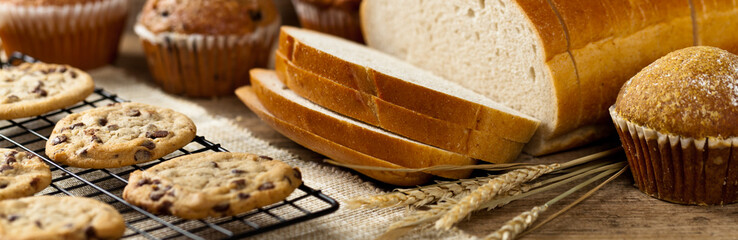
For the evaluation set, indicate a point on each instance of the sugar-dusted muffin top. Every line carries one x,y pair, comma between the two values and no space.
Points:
353,4
48,2
692,92
210,17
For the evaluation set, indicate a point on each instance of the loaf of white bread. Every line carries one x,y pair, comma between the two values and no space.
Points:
560,61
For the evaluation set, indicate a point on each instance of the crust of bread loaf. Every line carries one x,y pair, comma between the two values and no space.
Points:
519,128
612,40
396,119
717,24
356,135
330,149
579,137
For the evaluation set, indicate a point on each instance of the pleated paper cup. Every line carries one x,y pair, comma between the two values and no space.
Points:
199,65
334,20
82,35
680,169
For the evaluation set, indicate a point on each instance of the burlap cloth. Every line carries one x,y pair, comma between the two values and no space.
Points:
226,121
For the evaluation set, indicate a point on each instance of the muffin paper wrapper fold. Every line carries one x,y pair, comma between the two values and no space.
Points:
83,35
200,65
680,169
337,21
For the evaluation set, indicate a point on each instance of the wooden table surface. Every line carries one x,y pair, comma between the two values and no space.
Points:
618,211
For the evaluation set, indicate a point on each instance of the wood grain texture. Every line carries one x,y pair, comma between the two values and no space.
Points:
618,211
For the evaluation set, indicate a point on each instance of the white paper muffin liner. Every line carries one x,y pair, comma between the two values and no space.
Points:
332,20
200,65
82,35
680,169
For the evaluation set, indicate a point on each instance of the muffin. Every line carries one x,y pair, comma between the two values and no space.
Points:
336,17
81,33
677,122
205,48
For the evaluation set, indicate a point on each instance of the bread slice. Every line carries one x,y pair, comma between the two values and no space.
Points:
716,24
400,83
331,149
291,108
561,61
396,119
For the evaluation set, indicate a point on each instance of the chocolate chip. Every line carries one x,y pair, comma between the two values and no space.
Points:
266,157
165,13
11,99
73,73
237,171
76,125
243,196
34,182
4,185
266,186
5,167
157,134
222,207
38,89
59,139
144,181
90,131
102,121
12,153
51,70
298,174
96,139
10,159
63,69
255,15
156,195
12,218
142,155
164,207
113,127
133,113
149,144
82,152
156,181
38,224
90,232
215,165
240,183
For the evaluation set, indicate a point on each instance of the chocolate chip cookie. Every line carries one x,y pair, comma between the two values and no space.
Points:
211,185
50,217
21,174
118,135
31,89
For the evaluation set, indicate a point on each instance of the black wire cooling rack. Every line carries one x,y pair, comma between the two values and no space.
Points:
30,134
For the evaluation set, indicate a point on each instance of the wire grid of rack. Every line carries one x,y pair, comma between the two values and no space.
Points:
30,134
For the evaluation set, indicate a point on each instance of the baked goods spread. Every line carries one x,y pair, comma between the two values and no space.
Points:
118,135
329,148
293,109
335,17
205,48
51,217
560,61
676,119
21,174
212,184
81,33
31,89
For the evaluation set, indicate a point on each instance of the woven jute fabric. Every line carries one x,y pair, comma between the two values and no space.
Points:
225,121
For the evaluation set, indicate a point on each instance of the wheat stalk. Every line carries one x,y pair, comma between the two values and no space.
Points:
494,187
419,196
518,224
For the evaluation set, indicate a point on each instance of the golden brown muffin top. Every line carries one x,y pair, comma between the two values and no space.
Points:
351,4
210,17
48,2
692,92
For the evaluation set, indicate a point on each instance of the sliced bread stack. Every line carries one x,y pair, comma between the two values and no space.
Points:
381,108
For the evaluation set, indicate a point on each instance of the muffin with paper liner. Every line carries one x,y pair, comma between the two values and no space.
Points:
677,122
205,48
81,33
335,17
